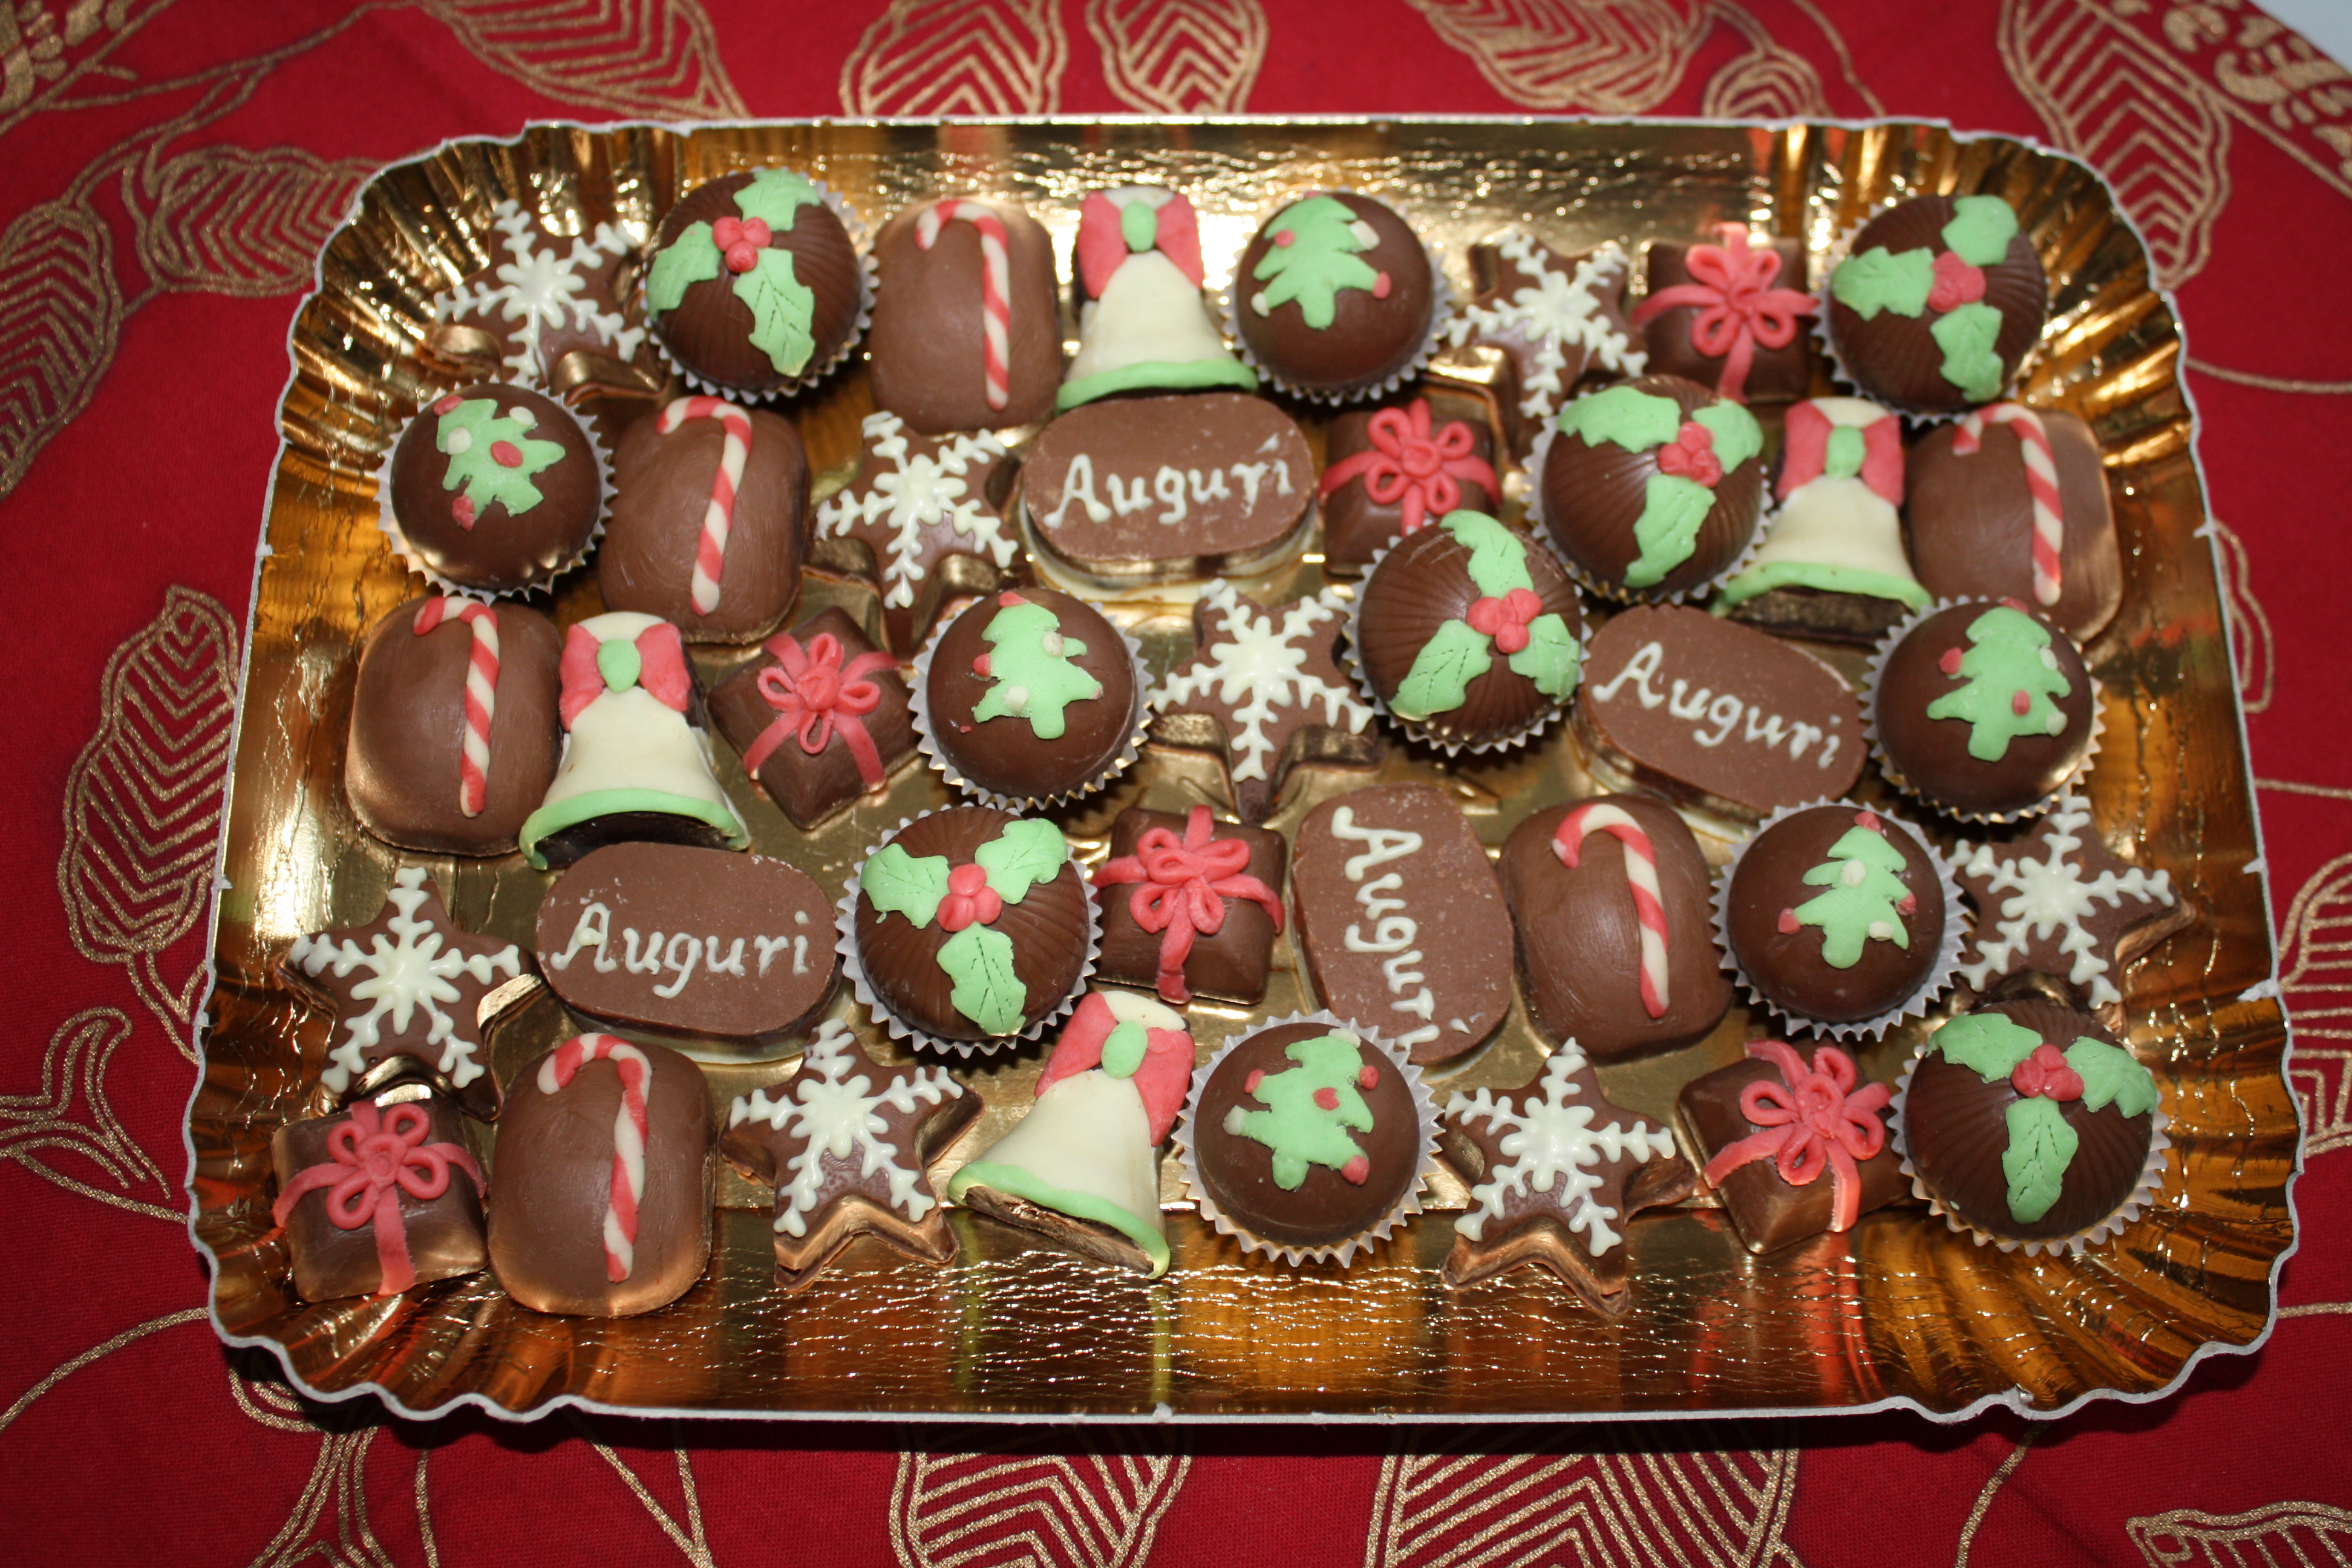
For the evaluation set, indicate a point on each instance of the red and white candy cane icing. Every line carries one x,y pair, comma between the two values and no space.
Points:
2041,483
996,289
1640,875
628,1189
481,693
718,517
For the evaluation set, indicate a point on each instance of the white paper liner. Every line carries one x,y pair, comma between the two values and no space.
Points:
853,968
868,279
1441,317
1939,976
919,704
1919,419
390,524
1354,666
1340,1252
1895,775
1617,593
2151,1181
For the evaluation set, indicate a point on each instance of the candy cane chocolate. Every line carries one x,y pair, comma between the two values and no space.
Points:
967,329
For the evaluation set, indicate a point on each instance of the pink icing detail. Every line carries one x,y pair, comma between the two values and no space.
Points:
370,1161
1284,240
2041,486
1358,1170
1738,308
1369,1078
816,694
462,509
481,693
1907,904
1950,663
1328,1099
661,669
1182,889
1418,474
1163,1081
2045,1075
1642,882
969,900
448,404
1691,456
741,240
1958,283
626,1189
1804,453
718,513
506,454
1380,286
1814,1119
1787,922
1505,619
995,288
1866,819
1249,1084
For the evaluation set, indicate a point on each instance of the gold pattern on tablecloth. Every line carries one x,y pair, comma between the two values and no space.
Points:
224,220
71,1114
1768,82
657,58
2251,648
61,314
687,1538
1180,57
1478,1497
1993,1483
2315,974
92,1356
2316,1309
1097,1506
2271,382
1600,57
2281,1533
958,57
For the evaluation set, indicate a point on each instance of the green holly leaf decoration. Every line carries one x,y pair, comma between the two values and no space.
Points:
1967,336
1031,672
979,959
1629,417
911,885
688,259
2041,1147
781,311
1673,509
1439,681
1880,279
1028,852
775,198
1498,558
1980,229
1988,1044
2111,1077
1316,263
1551,658
492,457
1737,437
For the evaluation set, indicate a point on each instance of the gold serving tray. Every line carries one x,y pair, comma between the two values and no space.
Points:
1899,1312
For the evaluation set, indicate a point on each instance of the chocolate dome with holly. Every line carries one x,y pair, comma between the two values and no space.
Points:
753,286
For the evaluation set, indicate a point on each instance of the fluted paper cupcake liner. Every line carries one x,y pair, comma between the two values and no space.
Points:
1939,976
1340,1252
1441,316
1617,593
386,521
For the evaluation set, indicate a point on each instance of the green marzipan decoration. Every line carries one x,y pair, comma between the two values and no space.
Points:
620,663
1498,558
1157,375
1827,578
1551,659
1846,449
1028,852
1456,655
1124,1047
2111,1077
1300,1131
775,198
692,258
1881,280
782,307
1980,229
1139,225
1848,910
2041,1147
979,958
1319,261
1989,1045
1633,419
2007,657
486,482
1030,672
1020,1183
781,311
1967,336
1737,437
910,885
1673,509
579,808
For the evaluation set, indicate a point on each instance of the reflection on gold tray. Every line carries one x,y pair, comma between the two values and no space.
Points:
1901,1310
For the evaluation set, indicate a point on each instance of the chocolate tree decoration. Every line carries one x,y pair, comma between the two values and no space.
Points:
2008,676
1554,315
2058,901
492,457
1314,255
1312,1110
1032,671
921,511
1862,898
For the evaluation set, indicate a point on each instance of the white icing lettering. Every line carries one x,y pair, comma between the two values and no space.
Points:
1176,490
591,930
1803,735
681,954
652,964
1392,933
679,960
1715,716
1638,669
1383,844
1251,475
1369,895
1128,500
1212,487
1168,485
769,946
1078,484
731,964
1692,709
1724,714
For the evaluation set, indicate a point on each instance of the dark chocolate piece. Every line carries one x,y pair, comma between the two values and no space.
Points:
794,713
1983,709
2058,901
1391,470
396,1200
1555,316
1836,914
1818,1119
1653,487
753,285
1333,294
1166,880
1030,695
1937,301
1734,315
494,487
967,333
674,470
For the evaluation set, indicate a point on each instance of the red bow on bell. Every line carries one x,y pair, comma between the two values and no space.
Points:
816,693
1731,290
1183,886
370,1161
661,669
1102,239
1409,468
1814,1119
1805,453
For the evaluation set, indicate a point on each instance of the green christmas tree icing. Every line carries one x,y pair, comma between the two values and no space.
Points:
1029,670
1980,229
1319,261
1967,335
1862,890
493,455
979,959
1309,1109
782,307
1879,280
2010,675
1459,653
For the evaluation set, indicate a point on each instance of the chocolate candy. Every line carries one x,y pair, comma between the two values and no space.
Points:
454,734
1142,324
1652,488
753,286
1811,1117
2028,1121
1835,914
967,333
1716,715
1305,1140
1731,315
549,308
2058,901
708,520
1937,301
378,1198
1153,489
1030,695
1333,295
494,487
820,717
1981,523
1983,710
1613,906
1401,921
971,925
1554,316
605,1180
1390,471
1470,633
680,941
1189,905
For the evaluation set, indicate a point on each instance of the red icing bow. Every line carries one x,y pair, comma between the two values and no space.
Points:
2044,1074
1102,239
1805,452
1183,888
969,900
1731,290
816,694
1691,456
370,1161
741,240
1813,1120
1958,283
1505,619
661,669
1418,474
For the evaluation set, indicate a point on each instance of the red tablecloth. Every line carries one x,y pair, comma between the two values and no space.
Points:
167,172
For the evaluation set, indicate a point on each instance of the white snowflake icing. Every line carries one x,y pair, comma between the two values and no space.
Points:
1558,308
1552,1140
918,492
2042,896
832,1104
539,289
408,970
1252,659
